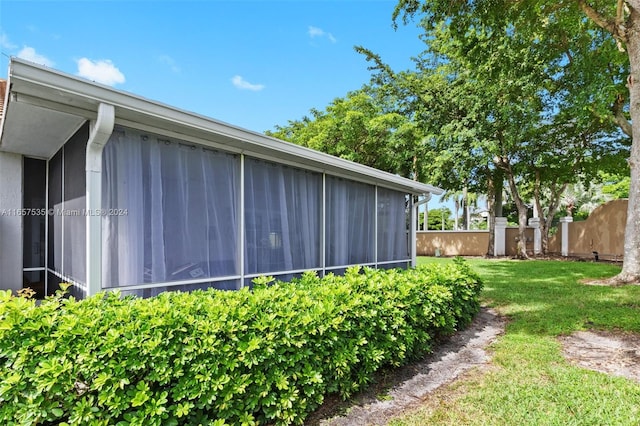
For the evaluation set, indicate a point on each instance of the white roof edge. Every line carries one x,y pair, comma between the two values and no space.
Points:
25,71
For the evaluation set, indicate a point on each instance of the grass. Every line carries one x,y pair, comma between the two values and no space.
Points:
529,381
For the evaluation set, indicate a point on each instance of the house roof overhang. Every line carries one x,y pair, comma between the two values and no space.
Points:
45,107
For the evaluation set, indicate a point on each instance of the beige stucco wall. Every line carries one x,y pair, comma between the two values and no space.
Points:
511,243
603,231
465,243
555,244
452,243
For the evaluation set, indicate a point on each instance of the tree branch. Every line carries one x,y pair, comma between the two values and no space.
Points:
619,117
602,21
620,13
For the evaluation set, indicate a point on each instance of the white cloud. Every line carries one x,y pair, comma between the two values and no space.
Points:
243,84
5,43
170,62
30,54
315,32
101,71
319,32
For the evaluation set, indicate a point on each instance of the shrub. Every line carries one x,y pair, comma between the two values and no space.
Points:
268,355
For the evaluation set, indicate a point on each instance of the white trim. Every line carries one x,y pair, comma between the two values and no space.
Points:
278,273
389,262
46,228
36,269
323,226
173,283
62,217
350,265
413,230
375,225
68,279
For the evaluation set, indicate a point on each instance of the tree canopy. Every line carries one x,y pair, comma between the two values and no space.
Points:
590,48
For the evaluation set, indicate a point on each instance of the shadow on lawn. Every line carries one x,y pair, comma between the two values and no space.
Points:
545,297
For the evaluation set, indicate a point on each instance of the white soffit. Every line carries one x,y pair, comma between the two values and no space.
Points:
36,132
73,100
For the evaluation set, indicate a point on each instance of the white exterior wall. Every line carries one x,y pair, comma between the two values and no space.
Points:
10,221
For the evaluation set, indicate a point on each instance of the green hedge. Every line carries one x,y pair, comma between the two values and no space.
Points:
268,355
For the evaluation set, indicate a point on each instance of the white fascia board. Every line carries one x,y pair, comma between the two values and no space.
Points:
59,87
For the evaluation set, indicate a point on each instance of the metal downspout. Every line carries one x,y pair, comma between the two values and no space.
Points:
101,130
413,234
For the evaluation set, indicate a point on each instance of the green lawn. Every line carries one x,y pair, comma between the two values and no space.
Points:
529,382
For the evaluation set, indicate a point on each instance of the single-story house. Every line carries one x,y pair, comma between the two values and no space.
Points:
107,190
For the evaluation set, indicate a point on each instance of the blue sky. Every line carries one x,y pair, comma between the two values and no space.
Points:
255,64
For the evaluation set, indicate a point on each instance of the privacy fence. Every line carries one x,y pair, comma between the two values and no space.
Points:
600,236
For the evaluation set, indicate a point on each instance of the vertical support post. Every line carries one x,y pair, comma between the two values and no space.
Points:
46,232
375,226
500,236
534,223
564,234
323,228
241,223
413,234
101,130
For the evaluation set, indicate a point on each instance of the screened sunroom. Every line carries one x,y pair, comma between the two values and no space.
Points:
119,192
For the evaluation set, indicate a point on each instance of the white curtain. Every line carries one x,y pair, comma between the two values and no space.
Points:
122,188
181,211
283,208
392,226
350,221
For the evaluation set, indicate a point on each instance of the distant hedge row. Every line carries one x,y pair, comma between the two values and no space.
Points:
268,355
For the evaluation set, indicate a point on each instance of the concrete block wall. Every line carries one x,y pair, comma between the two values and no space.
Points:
11,187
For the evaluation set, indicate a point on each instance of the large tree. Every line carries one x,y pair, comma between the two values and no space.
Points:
360,127
555,25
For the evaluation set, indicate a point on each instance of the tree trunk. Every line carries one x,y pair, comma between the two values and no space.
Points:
628,33
554,204
465,203
491,201
499,188
522,214
456,207
631,266
522,227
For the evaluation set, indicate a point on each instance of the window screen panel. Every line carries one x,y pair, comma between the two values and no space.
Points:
74,217
350,222
283,207
181,204
54,260
392,226
34,199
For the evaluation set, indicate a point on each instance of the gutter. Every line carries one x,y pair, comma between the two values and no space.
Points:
101,129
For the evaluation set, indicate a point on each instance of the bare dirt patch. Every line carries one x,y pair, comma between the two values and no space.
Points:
402,389
614,353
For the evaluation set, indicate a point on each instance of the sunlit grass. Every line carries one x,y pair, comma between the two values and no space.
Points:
529,381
